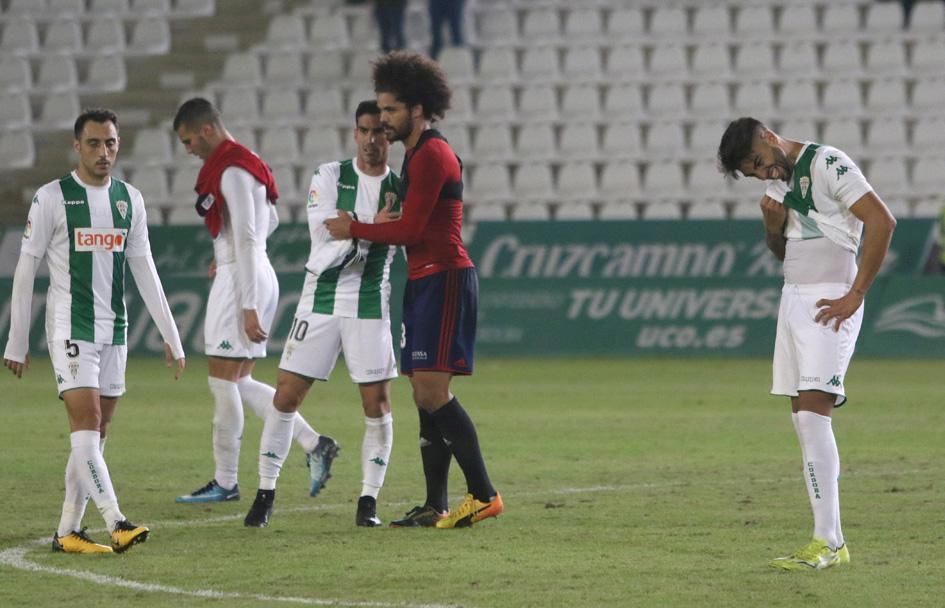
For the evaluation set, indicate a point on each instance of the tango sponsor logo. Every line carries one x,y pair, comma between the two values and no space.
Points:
110,240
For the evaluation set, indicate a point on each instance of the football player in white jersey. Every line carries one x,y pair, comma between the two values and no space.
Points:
237,196
87,225
344,307
816,207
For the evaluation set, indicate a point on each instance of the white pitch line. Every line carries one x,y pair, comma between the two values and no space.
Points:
16,556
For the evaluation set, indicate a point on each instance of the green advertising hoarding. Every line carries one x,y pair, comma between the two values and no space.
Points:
575,288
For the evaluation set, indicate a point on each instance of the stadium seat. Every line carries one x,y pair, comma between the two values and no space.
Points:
625,23
927,96
582,65
668,22
581,102
106,73
63,36
17,149
712,23
150,36
151,146
797,99
281,106
326,68
319,146
279,145
19,37
58,112
245,134
664,180
325,107
800,129
886,58
887,96
928,208
668,62
537,104
496,104
578,141
798,21
105,35
888,135
623,102
753,22
927,58
27,7
490,183
57,73
457,62
540,64
625,63
183,179
888,177
461,106
497,26
240,106
150,7
364,30
928,176
183,216
194,8
494,212
665,140
710,100
702,209
799,60
754,98
533,183
706,182
497,66
359,67
108,7
286,31
927,135
15,74
329,31
845,134
152,182
842,97
710,62
841,20
541,25
530,211
241,69
662,209
883,17
704,137
621,141
618,210
287,184
536,142
284,68
583,24
493,143
754,60
574,211
842,59
928,18
667,100
619,180
458,137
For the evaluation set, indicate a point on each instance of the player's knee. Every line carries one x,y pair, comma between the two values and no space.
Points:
287,400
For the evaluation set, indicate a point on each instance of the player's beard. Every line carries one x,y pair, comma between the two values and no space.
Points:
394,134
781,161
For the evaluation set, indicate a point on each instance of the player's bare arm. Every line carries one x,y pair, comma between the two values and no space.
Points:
339,227
169,360
253,327
878,226
775,216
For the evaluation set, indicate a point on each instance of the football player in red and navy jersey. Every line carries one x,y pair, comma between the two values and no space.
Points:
442,292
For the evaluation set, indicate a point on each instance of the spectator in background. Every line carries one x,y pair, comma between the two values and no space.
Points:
449,12
906,12
390,20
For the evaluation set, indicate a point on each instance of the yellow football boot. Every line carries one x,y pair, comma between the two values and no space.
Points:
470,511
77,542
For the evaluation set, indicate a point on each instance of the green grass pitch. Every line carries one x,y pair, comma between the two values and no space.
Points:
626,483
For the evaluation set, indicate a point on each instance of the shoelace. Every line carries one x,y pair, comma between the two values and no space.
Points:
466,507
207,488
84,537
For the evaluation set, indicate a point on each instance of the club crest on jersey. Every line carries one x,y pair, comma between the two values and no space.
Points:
390,199
110,240
122,207
805,186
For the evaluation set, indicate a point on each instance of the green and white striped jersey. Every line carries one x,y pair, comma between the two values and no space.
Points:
85,232
362,289
824,186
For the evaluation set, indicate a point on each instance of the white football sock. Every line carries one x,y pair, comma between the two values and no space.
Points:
89,465
227,430
821,470
259,396
274,446
73,507
375,453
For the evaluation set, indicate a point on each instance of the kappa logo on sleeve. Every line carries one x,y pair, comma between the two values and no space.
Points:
109,240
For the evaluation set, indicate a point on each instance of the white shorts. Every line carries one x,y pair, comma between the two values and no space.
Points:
809,356
315,341
224,334
79,364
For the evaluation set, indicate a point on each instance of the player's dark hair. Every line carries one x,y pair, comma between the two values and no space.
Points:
100,115
368,106
197,112
736,144
413,79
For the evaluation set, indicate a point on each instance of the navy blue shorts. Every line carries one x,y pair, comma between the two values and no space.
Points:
440,323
